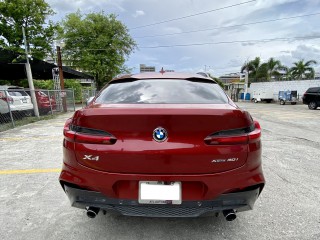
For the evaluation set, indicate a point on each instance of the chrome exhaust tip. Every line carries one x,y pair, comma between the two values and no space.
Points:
229,214
92,212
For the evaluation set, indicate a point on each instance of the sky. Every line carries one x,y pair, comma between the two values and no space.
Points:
220,35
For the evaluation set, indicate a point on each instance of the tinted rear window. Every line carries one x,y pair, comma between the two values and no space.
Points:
313,90
159,91
18,93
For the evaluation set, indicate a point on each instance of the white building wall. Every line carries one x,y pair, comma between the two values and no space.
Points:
299,85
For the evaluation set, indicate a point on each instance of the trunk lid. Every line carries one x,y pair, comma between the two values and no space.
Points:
183,152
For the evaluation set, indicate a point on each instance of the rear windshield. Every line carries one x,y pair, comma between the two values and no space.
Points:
18,93
313,90
162,91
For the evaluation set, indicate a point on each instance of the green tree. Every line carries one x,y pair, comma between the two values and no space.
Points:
217,80
285,73
32,15
259,71
96,43
42,84
76,86
303,69
262,73
273,67
252,67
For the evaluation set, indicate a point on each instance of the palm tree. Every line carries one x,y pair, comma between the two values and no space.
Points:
262,74
302,70
273,67
252,67
286,73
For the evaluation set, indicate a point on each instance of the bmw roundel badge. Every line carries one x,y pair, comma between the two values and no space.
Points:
160,134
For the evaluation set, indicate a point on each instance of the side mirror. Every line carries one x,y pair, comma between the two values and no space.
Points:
89,100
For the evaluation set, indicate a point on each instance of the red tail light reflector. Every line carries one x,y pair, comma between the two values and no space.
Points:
237,136
82,138
86,135
7,99
68,134
232,140
255,135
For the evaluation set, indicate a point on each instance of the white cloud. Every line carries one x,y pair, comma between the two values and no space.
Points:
138,13
223,58
301,52
306,52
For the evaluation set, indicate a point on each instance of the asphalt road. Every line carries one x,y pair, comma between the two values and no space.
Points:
33,205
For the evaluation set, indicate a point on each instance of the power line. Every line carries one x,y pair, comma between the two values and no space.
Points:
267,40
192,15
240,41
231,26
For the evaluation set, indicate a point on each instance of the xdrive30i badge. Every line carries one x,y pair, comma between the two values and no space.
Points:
225,160
160,134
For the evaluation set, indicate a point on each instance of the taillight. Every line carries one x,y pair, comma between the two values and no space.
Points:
255,135
86,135
237,136
82,138
227,140
7,99
68,134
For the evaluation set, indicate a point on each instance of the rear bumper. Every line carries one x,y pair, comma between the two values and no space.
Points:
24,107
47,106
239,201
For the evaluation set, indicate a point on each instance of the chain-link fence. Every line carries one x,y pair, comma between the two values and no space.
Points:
17,108
87,94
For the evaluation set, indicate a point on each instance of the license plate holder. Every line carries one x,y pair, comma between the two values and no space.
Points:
157,192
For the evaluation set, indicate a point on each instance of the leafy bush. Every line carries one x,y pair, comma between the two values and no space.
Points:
5,82
76,86
43,84
48,84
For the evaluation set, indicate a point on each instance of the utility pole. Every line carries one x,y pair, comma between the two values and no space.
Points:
63,93
29,76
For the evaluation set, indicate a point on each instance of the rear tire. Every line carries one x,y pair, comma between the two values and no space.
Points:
282,102
44,111
3,118
312,105
28,113
255,100
18,115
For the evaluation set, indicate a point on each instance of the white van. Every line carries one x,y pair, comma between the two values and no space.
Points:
262,95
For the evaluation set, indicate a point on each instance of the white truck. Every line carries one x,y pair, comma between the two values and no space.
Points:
262,95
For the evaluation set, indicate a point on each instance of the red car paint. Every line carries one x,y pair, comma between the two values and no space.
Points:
45,103
207,164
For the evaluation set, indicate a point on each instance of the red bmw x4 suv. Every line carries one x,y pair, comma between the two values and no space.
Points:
162,145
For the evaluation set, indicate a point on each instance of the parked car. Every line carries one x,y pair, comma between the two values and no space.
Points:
19,101
162,145
312,98
45,104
